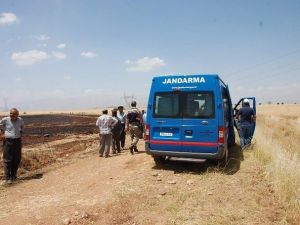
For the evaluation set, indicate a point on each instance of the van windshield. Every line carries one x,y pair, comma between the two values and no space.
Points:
184,105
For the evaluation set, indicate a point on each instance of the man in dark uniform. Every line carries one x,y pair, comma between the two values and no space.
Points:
116,133
134,122
246,118
13,127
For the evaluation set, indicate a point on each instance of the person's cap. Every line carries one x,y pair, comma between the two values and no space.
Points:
120,107
246,100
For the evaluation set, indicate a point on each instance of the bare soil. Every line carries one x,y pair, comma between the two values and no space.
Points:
75,186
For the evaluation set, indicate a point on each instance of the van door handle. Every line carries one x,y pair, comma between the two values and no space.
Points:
188,132
204,122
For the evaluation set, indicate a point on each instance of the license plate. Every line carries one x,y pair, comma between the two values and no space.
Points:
164,134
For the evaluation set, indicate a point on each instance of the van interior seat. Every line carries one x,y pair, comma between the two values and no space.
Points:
206,109
192,108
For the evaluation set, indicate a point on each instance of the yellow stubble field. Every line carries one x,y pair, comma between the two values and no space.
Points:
277,145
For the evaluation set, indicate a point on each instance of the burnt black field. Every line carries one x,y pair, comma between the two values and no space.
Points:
44,128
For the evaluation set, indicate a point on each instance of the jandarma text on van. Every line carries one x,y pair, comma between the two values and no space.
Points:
184,80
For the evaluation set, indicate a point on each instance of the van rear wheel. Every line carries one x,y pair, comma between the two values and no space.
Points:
159,160
223,162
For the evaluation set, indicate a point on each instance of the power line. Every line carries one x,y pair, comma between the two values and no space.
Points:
248,68
267,75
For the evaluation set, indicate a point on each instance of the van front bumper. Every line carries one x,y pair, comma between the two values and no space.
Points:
199,155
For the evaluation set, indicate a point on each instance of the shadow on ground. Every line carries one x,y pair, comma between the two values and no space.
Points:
233,165
31,177
20,179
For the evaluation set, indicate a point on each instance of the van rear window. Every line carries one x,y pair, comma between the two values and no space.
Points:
184,105
166,105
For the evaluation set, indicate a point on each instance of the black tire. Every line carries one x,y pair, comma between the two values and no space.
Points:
223,162
159,160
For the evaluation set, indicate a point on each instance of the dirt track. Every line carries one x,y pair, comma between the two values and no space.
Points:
125,189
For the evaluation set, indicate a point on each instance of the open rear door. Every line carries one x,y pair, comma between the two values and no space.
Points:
239,105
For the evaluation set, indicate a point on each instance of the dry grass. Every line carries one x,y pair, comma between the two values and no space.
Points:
277,146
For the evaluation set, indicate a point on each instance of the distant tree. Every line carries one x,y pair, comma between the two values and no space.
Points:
278,103
269,102
282,103
260,103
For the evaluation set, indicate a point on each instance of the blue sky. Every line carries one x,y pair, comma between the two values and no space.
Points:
63,54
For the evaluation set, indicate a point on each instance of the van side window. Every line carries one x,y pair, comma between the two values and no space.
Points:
166,105
198,105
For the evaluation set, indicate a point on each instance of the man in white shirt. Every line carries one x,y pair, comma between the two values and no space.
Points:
105,123
12,128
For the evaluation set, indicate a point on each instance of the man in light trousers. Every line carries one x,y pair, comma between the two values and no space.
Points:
105,123
134,124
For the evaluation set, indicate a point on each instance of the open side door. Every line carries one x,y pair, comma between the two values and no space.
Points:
239,105
230,118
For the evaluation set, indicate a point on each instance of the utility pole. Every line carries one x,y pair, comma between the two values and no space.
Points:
128,99
5,108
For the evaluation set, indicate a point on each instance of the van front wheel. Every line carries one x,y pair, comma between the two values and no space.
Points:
159,160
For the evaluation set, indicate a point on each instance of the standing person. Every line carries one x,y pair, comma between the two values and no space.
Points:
134,122
13,127
144,116
116,133
105,123
122,117
246,118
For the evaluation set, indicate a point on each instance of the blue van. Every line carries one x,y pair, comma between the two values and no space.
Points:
189,116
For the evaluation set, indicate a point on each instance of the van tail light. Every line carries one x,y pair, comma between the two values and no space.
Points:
221,135
147,133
